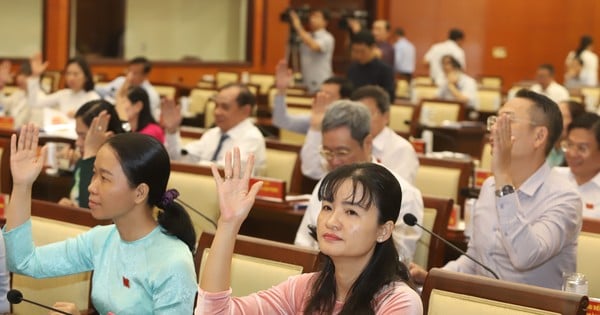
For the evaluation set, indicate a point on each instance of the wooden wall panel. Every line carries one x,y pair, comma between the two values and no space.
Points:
56,33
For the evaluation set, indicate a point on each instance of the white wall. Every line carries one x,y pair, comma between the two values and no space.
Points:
169,30
20,27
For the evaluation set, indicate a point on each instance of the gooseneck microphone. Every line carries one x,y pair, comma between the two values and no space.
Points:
16,297
411,220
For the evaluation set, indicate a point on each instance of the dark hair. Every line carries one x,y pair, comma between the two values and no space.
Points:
345,85
245,97
363,37
547,66
381,97
455,64
589,121
88,85
584,43
575,108
25,68
142,61
381,188
400,31
138,94
324,12
550,114
145,160
456,34
92,109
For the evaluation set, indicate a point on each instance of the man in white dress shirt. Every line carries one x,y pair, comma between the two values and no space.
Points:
547,86
451,46
137,72
582,152
346,140
234,128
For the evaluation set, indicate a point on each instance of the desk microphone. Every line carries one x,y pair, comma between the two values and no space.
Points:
16,297
411,220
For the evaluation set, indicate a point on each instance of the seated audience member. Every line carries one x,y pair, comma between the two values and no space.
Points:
547,86
389,149
234,128
141,265
335,87
137,72
569,111
527,218
360,274
15,105
588,60
573,75
405,55
136,105
456,85
452,46
78,81
316,49
347,139
582,152
95,122
366,68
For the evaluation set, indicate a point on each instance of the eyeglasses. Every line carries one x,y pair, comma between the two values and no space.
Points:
491,120
579,148
339,154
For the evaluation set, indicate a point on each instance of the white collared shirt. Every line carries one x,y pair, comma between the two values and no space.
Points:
65,100
244,135
589,70
405,56
437,51
589,191
555,91
405,237
110,90
465,84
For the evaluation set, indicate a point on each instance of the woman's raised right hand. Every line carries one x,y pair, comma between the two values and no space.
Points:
25,162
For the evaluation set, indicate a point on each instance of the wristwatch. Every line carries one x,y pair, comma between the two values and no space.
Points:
505,190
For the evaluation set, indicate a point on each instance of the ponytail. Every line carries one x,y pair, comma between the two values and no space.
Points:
584,43
175,220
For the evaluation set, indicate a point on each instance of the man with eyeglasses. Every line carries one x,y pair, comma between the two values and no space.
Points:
234,128
527,217
582,152
347,139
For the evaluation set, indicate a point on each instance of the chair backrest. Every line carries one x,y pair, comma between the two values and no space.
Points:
430,251
53,223
422,80
288,136
433,112
493,82
209,114
264,81
402,88
422,91
443,178
489,100
587,258
9,89
50,81
259,264
281,165
165,91
486,157
198,99
224,77
402,118
592,97
452,293
197,188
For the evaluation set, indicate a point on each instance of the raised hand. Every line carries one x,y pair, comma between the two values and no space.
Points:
5,75
25,162
235,200
283,75
320,103
38,66
96,135
296,23
170,113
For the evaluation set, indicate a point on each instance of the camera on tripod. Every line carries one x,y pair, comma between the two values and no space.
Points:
359,15
302,12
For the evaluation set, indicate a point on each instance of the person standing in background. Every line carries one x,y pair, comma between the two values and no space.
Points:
589,61
405,55
452,46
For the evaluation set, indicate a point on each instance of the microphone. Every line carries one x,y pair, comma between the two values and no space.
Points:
16,297
411,220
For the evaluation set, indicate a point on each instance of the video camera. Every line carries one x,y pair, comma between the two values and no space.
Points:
302,12
360,15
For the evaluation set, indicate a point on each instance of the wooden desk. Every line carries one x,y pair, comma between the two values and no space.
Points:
277,221
467,140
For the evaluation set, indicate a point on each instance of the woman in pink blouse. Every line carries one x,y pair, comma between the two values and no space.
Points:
136,105
361,273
